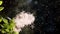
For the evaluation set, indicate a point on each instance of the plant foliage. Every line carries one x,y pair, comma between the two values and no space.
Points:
6,26
1,8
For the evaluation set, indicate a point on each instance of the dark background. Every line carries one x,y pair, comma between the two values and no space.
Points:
47,14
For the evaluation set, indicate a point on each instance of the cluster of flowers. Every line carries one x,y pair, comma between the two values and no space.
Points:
23,19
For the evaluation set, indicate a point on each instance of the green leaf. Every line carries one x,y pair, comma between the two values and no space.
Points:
5,20
5,25
2,31
7,30
1,8
0,19
16,32
12,20
1,2
12,24
1,25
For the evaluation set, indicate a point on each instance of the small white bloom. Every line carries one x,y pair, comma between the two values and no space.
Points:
23,19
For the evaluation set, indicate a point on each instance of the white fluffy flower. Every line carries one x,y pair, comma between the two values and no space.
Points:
23,19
